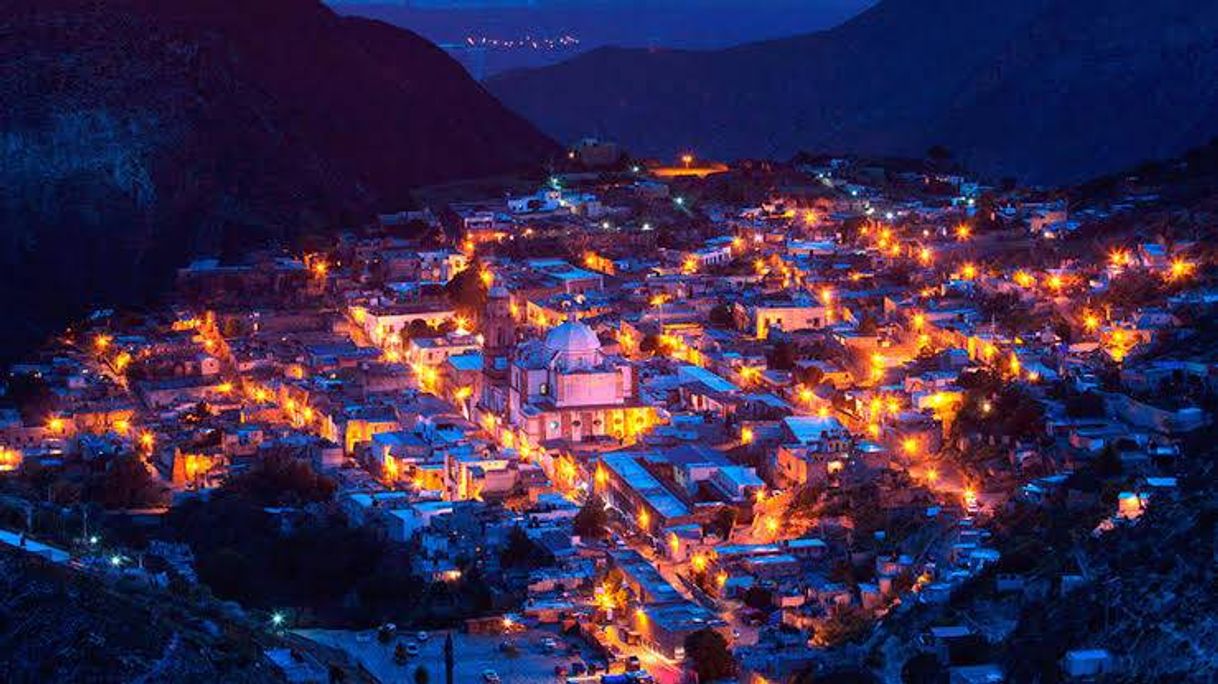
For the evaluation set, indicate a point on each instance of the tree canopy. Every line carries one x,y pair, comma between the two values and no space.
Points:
708,652
592,520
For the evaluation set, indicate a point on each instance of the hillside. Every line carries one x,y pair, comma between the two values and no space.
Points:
137,133
1047,91
58,626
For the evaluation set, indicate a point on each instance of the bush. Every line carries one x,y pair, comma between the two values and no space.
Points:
708,652
592,520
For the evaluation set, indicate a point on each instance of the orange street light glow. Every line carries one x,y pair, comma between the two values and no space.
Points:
963,232
970,497
1180,269
698,562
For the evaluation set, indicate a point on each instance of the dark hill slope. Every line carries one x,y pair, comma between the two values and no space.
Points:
1046,90
136,133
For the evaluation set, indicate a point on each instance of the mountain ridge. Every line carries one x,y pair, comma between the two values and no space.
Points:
142,133
993,81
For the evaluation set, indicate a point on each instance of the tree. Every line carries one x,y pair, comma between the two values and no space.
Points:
844,624
126,483
868,326
921,669
33,397
809,375
522,552
758,598
707,650
281,478
939,154
1085,405
783,356
418,328
723,522
592,519
721,316
468,292
1108,463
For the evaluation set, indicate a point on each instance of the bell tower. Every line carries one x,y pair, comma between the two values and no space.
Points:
499,341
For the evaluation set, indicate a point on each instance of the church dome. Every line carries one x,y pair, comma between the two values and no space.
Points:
572,338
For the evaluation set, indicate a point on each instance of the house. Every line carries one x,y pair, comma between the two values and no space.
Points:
788,316
1091,662
812,449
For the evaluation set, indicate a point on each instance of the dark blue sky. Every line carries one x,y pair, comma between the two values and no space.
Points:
695,24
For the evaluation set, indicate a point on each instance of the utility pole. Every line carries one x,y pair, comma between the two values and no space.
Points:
448,658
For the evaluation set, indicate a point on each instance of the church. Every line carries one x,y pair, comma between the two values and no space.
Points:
566,389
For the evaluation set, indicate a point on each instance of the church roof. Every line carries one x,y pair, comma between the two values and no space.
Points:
572,337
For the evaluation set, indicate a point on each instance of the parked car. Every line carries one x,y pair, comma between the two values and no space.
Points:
386,632
490,677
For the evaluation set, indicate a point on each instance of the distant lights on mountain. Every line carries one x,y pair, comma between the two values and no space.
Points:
526,43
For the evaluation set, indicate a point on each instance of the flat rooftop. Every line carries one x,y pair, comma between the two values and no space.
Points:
634,475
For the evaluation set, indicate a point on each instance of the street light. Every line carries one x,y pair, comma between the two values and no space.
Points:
277,619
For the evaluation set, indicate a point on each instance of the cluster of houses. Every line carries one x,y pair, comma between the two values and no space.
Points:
692,382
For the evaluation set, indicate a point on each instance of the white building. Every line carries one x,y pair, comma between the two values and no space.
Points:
567,388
